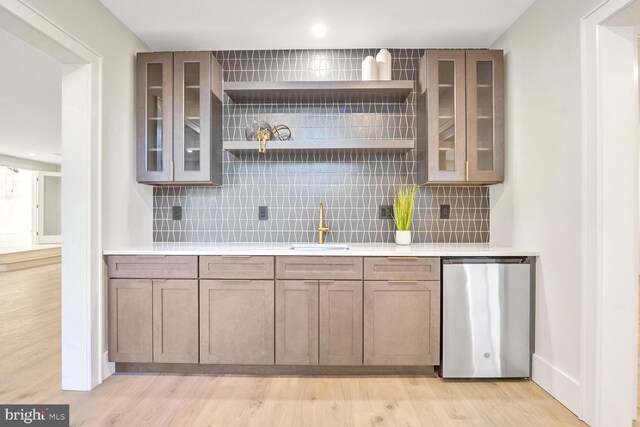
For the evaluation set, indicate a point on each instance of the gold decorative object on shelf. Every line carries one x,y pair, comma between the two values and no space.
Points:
263,135
262,132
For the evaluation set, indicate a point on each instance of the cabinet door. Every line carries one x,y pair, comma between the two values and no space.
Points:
154,111
175,321
130,329
485,115
340,322
401,323
197,141
237,322
296,322
446,133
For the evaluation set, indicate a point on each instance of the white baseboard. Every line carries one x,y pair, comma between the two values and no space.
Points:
108,368
558,384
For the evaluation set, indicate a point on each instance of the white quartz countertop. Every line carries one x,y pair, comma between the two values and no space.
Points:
355,249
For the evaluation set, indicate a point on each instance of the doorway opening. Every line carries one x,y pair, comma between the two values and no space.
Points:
81,336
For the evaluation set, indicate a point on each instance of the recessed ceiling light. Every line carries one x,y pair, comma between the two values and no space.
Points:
319,30
32,154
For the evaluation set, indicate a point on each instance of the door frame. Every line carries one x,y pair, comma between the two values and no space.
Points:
83,316
610,199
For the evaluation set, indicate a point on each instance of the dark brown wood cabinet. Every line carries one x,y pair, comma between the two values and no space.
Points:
460,104
179,118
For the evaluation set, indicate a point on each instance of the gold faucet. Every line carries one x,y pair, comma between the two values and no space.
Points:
321,227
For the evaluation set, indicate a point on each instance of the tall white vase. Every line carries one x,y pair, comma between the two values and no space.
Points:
383,58
369,69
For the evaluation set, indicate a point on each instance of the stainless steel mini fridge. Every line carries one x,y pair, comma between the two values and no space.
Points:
486,318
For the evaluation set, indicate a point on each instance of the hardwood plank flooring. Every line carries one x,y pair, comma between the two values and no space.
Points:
30,373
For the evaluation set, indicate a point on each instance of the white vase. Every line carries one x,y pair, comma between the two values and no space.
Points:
369,68
383,59
403,237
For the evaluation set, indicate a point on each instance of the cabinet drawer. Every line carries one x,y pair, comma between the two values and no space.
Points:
153,267
318,267
401,268
236,267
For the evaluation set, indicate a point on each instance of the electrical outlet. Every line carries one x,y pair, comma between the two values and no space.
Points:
263,213
386,212
176,213
445,211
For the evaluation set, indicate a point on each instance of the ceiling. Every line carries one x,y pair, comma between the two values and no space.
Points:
286,24
31,102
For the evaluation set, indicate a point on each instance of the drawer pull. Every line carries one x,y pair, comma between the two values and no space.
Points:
395,258
402,282
236,256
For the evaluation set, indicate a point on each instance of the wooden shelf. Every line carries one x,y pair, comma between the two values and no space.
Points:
319,91
316,145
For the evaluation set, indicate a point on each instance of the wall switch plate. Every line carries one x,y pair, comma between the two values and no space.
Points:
386,212
263,213
445,211
176,213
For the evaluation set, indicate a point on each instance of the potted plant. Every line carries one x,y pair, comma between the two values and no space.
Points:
403,213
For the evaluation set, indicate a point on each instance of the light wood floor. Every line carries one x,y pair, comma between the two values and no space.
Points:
30,372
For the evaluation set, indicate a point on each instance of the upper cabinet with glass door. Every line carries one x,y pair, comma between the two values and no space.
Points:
485,116
179,118
460,117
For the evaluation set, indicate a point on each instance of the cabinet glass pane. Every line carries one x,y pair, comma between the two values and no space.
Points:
485,115
154,117
446,115
192,116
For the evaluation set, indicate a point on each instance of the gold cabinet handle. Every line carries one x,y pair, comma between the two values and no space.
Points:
466,170
402,257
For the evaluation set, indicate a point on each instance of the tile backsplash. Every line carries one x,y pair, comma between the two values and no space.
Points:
351,185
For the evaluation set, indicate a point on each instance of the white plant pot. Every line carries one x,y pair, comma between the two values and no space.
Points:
403,237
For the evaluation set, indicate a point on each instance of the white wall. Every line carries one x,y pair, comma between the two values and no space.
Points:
539,205
126,206
31,102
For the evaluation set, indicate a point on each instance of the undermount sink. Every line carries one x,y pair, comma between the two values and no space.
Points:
319,247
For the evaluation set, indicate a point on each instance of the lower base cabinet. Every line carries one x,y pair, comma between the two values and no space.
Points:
223,319
340,334
130,320
402,323
318,322
175,321
153,321
237,322
296,322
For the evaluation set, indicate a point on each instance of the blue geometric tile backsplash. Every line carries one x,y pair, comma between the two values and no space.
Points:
352,186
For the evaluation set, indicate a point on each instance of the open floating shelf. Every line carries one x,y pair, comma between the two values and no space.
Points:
319,91
326,145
